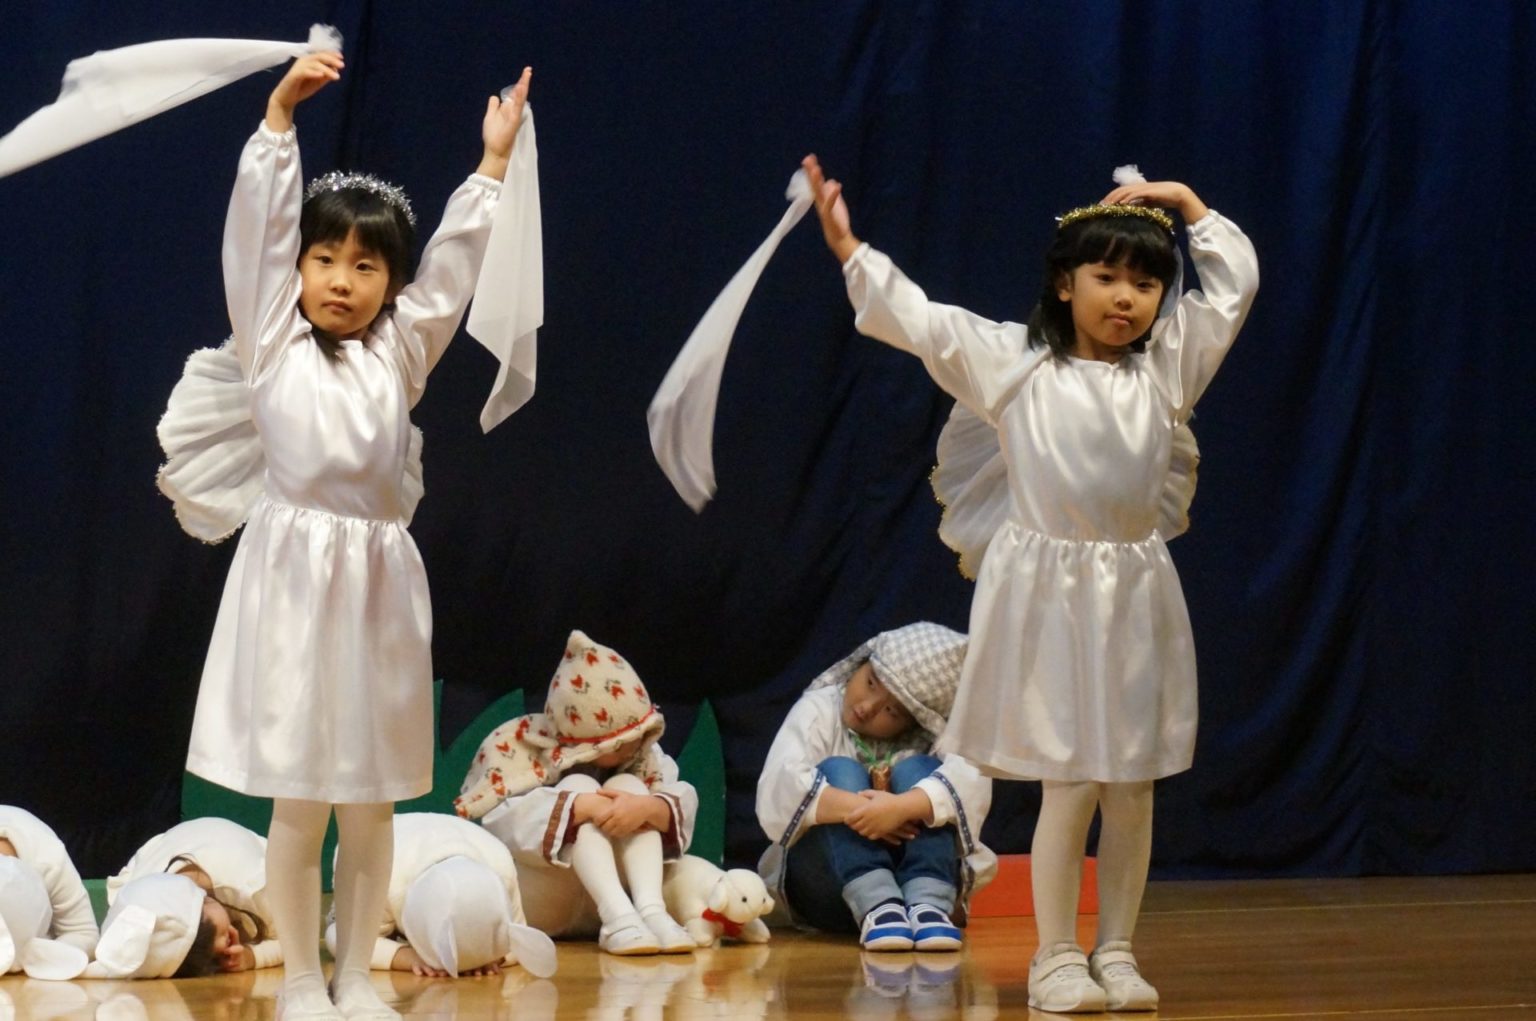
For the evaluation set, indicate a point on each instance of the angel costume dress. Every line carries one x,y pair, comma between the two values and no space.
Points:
318,681
1081,663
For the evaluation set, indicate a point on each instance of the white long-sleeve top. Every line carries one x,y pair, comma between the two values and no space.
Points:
234,857
36,844
1081,664
422,839
537,825
790,787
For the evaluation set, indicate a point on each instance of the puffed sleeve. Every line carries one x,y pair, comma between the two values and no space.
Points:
1189,349
790,786
978,362
680,797
428,311
261,250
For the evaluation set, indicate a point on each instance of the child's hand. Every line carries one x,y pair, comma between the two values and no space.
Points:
306,76
1166,194
831,210
630,813
407,959
883,816
499,128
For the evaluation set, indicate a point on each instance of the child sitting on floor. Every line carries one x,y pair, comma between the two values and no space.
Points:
872,833
589,804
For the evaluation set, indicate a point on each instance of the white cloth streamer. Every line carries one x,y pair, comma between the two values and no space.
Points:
111,89
682,414
509,295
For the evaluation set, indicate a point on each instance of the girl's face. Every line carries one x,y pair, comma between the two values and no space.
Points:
1112,307
226,938
620,755
870,709
344,286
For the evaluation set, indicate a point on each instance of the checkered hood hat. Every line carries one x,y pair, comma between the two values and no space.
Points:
919,664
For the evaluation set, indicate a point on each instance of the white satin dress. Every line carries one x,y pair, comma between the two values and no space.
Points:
318,681
1081,663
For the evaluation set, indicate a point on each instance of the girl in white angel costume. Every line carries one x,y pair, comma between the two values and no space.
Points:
1081,668
589,804
317,690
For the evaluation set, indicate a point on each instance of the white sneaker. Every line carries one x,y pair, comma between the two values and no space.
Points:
886,928
628,936
671,938
1059,982
1114,967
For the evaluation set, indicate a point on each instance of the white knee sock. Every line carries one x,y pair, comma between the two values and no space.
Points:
1056,858
364,853
592,858
641,857
293,894
1125,848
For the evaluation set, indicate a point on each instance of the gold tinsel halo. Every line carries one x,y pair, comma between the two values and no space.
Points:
1156,216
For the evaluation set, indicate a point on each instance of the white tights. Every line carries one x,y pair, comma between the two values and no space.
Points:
1056,857
596,858
365,852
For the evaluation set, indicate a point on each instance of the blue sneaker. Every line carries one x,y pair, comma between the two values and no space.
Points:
932,930
886,928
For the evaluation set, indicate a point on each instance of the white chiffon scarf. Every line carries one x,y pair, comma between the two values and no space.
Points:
112,89
682,414
509,295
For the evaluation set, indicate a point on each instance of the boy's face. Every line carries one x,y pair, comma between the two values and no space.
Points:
871,710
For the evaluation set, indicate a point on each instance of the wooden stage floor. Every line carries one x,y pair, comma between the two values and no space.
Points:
1377,949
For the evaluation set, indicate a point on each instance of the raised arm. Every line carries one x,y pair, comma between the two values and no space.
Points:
1191,347
832,210
261,230
429,310
975,360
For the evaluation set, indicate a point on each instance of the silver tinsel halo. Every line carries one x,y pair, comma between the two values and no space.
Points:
337,180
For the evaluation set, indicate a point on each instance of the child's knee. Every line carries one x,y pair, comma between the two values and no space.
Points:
845,773
578,783
906,773
626,783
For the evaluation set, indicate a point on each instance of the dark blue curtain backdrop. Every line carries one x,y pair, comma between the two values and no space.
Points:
1361,556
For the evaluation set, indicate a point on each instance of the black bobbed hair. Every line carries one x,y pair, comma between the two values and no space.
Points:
1130,241
330,215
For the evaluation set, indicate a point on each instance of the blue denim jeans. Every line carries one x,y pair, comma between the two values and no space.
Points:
833,877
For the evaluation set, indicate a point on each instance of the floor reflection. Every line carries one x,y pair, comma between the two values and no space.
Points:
792,977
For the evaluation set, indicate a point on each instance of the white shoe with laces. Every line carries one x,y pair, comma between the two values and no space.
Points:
1114,967
1059,982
